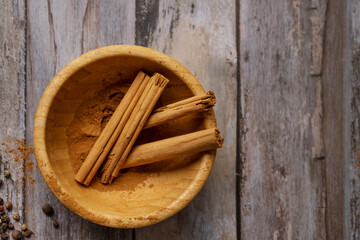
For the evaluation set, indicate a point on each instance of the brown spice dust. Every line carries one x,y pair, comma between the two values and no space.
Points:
21,154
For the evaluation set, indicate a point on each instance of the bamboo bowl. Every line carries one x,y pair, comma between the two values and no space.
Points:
169,186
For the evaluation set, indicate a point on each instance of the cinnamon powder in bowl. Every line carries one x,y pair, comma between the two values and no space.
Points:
75,108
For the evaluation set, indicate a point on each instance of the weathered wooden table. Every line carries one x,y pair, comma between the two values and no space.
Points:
286,75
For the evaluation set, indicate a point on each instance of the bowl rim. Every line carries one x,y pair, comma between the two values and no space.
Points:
40,149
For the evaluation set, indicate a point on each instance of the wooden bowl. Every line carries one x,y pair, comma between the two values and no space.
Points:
145,195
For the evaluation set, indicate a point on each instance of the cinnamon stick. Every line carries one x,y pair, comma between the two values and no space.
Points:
109,129
133,139
136,122
194,104
127,126
208,94
119,128
191,143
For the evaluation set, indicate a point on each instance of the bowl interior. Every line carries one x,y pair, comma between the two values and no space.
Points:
142,195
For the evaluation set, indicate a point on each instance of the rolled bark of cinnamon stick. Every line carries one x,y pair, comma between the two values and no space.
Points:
109,129
127,126
118,130
134,126
208,94
169,148
182,108
121,142
138,130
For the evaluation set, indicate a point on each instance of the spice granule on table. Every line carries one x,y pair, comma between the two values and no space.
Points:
21,153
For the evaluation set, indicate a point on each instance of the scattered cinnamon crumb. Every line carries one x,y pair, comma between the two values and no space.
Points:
31,180
21,153
29,165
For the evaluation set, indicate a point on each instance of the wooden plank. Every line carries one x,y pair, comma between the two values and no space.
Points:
59,31
353,118
334,127
201,36
12,99
283,179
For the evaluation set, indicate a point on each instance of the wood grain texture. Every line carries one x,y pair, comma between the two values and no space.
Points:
299,107
334,118
200,35
354,120
283,184
59,31
12,95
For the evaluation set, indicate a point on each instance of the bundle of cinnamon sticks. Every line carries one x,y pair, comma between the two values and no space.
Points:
114,150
